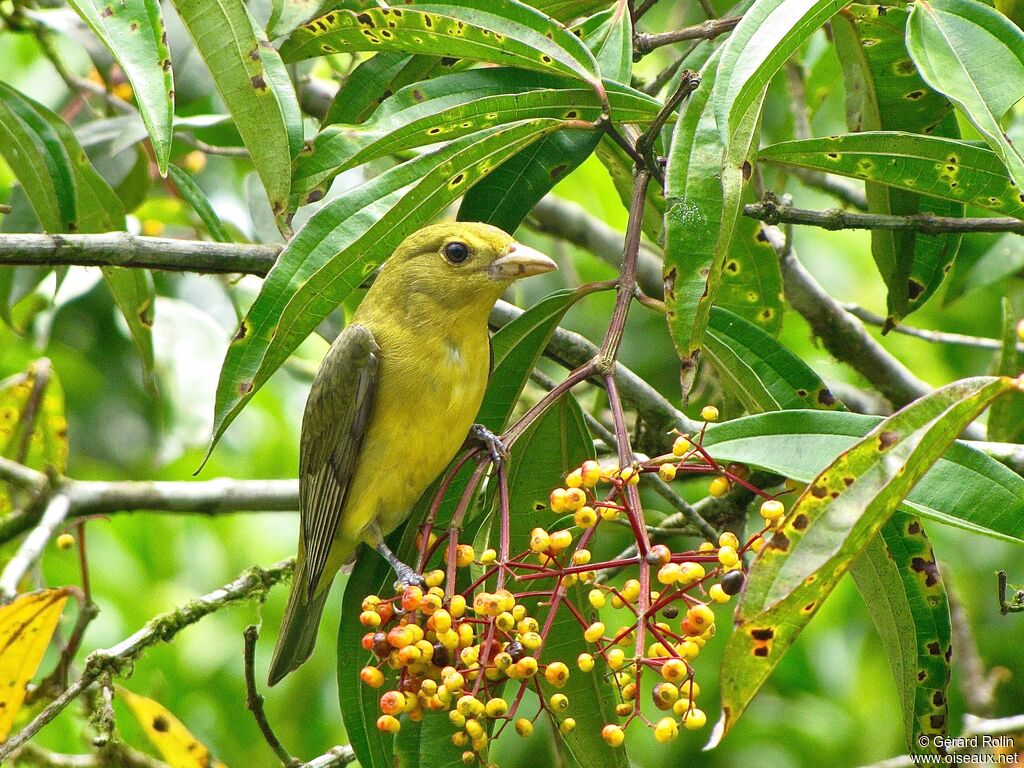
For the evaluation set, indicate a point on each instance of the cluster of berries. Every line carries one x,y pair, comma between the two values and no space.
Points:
456,652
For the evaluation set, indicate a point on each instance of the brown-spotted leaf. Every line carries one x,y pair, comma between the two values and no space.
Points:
176,744
26,626
831,523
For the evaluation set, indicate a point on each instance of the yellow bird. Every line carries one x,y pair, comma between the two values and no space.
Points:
394,399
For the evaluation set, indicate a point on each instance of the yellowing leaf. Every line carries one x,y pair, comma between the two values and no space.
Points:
26,626
167,733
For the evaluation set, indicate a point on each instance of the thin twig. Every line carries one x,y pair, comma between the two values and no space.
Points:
644,43
772,211
254,699
210,149
118,660
938,337
335,758
32,547
33,756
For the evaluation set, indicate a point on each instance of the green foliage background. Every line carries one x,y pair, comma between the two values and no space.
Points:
833,694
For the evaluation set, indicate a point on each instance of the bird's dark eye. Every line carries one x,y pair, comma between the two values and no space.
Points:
456,252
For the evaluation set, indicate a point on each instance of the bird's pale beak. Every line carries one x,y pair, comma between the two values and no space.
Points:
521,261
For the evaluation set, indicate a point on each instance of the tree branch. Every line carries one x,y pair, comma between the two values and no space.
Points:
118,659
644,43
32,547
938,337
772,211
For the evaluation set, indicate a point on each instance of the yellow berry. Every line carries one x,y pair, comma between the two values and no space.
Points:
585,517
194,162
567,726
681,446
540,541
694,719
719,487
557,500
65,541
464,556
496,707
709,413
666,730
669,573
609,513
616,657
630,590
372,676
705,546
727,556
581,557
630,476
585,662
718,594
757,545
667,472
560,540
526,667
594,632
574,499
728,539
596,598
369,619
470,706
575,478
590,472
474,729
674,670
524,727
772,510
531,640
488,556
457,718
454,681
690,572
558,702
613,735
388,724
557,673
665,695
700,615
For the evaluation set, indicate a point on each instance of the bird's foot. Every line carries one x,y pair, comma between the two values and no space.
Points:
492,442
407,577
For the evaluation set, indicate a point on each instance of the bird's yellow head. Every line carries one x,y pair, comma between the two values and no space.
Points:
458,264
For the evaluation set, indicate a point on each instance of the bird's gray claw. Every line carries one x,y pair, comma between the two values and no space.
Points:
407,577
492,442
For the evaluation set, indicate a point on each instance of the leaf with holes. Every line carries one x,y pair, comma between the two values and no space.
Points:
26,627
448,107
254,84
895,573
172,739
508,195
343,243
830,524
974,55
928,165
705,188
887,93
505,33
133,30
799,444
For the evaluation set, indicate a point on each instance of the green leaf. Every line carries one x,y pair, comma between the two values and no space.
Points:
830,524
895,573
508,195
569,10
758,370
1003,259
286,15
1006,417
886,93
135,294
343,243
33,426
38,159
508,33
193,194
448,107
133,30
771,32
799,444
378,77
254,84
902,587
516,348
705,189
975,56
928,165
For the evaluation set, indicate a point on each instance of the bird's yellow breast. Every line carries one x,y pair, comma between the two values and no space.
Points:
430,386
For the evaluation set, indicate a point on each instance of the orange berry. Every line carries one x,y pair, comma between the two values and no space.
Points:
372,676
613,735
392,703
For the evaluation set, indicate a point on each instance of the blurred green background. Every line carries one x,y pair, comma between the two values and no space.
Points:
832,695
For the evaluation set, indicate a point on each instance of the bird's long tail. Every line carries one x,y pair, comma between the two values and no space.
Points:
298,627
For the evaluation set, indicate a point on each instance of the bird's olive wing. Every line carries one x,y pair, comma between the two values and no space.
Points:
337,414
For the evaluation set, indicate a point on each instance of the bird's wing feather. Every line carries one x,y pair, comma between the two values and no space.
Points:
337,414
